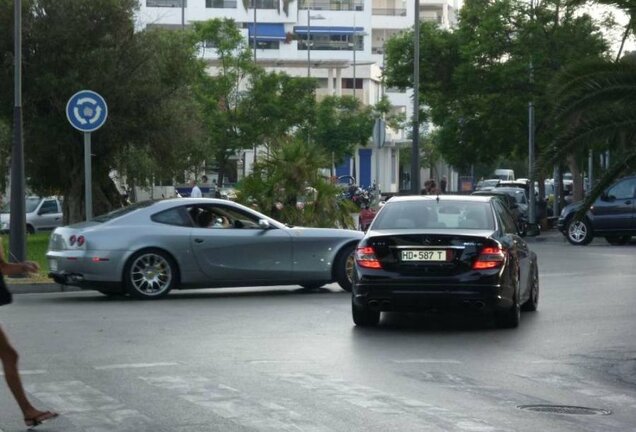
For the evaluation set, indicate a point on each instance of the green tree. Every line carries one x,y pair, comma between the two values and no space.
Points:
144,76
476,81
342,123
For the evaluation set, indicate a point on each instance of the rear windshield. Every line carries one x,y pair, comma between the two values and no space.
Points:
433,214
122,211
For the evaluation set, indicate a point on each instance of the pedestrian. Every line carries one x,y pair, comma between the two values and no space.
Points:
196,192
9,356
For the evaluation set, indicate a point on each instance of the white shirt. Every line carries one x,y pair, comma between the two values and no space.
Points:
196,192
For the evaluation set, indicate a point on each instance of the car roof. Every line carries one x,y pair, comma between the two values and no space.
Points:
451,198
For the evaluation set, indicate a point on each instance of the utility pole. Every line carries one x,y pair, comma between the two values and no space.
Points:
183,14
355,48
254,33
17,240
308,41
415,150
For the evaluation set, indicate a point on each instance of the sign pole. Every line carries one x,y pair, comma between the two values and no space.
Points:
87,111
88,176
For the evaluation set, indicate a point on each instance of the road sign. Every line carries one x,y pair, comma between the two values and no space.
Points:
86,111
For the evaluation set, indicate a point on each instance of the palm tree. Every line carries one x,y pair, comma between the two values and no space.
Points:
595,106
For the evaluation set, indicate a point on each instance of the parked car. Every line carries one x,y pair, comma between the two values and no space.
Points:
41,214
516,201
149,248
442,252
504,174
613,216
487,184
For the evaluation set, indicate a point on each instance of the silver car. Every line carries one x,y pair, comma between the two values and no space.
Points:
152,247
41,214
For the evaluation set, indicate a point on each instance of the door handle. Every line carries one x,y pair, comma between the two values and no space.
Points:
198,240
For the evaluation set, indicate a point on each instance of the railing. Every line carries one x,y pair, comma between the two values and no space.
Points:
389,11
328,46
220,4
334,5
167,3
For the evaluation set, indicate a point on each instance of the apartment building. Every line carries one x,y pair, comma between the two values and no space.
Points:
338,42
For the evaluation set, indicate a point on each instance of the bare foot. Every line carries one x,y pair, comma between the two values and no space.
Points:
36,417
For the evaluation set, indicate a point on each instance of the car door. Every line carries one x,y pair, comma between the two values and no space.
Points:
614,211
239,250
516,245
48,215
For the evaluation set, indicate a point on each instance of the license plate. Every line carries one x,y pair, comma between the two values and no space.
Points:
53,265
423,255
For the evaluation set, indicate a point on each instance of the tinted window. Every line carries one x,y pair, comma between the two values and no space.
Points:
220,216
623,190
434,214
175,216
506,218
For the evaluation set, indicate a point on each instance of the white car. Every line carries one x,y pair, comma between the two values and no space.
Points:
41,214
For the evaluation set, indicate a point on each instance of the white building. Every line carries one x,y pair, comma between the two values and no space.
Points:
333,28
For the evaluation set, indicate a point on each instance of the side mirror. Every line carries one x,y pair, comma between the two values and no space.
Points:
264,224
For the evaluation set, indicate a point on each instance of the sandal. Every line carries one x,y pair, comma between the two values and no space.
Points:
39,419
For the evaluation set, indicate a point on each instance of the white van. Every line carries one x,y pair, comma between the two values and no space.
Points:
504,174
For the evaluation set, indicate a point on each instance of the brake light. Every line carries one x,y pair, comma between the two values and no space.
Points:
490,258
80,240
365,257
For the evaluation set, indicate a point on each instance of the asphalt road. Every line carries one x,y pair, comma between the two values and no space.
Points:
285,359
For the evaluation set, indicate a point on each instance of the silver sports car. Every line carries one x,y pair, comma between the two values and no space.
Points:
152,247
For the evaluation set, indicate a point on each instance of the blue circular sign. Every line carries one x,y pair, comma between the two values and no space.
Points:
86,111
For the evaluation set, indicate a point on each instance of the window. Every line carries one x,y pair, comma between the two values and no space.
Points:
167,3
431,214
219,216
623,190
267,44
347,83
174,216
49,207
220,4
507,221
123,211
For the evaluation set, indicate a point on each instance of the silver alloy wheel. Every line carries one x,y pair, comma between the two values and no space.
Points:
151,274
577,231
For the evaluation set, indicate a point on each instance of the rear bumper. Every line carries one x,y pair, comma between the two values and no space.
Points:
422,297
77,279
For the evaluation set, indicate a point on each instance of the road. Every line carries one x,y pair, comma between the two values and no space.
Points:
285,359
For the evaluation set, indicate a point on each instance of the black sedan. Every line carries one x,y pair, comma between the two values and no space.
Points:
444,252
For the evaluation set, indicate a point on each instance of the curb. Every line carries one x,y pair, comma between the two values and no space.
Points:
39,288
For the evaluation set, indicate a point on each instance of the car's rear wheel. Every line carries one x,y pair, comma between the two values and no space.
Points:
579,232
363,316
532,303
344,267
150,274
618,240
510,317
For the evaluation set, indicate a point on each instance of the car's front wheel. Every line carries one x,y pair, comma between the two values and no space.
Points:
344,267
363,316
150,274
579,232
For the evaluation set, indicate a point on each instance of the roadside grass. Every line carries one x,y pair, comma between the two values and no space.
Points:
36,246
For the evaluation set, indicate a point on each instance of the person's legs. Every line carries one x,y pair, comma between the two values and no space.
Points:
9,358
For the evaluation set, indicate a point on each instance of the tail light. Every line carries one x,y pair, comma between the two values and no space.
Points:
490,258
72,240
81,240
365,257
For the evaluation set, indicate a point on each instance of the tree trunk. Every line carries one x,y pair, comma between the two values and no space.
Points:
577,185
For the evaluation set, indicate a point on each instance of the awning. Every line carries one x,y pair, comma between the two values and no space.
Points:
328,30
267,31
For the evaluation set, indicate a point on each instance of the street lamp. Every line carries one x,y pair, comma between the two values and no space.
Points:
309,18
